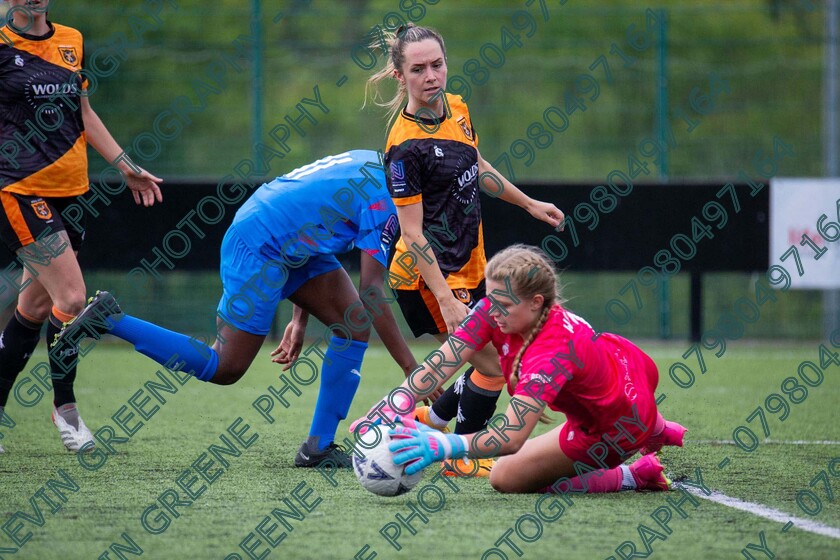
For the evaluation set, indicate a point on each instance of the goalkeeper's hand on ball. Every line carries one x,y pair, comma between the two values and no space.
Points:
419,448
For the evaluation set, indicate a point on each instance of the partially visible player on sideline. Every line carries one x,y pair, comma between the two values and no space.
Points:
603,383
282,245
43,170
435,174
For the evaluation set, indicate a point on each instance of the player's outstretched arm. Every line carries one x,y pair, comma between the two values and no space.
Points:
544,211
143,185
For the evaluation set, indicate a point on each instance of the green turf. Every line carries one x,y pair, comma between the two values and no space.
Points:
110,501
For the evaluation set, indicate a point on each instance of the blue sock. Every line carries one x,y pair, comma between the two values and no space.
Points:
339,380
165,346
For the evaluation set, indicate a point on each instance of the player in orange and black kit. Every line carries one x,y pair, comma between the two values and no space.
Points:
46,122
435,170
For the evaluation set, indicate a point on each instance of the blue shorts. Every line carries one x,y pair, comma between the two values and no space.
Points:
254,284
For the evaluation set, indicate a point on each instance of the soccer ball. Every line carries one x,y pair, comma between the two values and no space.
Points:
376,471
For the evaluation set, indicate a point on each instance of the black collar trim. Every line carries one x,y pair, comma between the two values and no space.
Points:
29,36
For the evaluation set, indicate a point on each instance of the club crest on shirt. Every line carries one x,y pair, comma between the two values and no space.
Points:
462,294
462,122
68,54
41,209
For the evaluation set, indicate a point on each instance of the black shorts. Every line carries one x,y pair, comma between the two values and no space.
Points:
422,312
26,218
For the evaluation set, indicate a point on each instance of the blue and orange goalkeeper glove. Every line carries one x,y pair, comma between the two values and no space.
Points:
419,448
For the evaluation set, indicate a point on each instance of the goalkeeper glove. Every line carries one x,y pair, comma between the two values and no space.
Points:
422,447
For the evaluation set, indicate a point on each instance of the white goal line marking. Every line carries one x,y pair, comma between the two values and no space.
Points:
764,511
767,441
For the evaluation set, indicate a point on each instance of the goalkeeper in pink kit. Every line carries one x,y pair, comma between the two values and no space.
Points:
604,385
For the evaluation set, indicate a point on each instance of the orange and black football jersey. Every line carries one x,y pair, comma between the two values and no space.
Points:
435,162
43,149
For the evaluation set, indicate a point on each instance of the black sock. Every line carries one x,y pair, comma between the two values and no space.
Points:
475,408
17,342
63,367
446,407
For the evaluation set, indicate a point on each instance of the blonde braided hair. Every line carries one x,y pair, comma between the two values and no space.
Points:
530,273
514,375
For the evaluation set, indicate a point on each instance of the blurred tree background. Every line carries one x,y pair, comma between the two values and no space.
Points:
769,52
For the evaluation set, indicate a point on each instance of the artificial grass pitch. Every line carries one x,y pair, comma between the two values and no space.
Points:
206,475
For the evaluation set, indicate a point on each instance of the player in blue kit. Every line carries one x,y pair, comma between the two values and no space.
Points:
282,245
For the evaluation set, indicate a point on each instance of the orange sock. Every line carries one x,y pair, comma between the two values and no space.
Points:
61,315
487,382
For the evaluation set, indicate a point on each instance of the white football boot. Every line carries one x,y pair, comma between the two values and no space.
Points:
72,438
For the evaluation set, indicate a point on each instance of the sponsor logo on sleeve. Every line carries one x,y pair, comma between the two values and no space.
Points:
397,173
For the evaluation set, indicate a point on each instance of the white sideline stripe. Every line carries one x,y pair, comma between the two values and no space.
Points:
764,511
767,441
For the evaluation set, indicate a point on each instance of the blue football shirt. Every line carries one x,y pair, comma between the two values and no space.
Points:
327,207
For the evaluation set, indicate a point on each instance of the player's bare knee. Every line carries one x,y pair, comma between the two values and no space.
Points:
228,375
71,306
353,330
361,335
71,300
78,304
343,334
502,481
358,318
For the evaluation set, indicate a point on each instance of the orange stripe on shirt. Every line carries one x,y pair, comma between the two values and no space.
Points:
66,176
408,200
